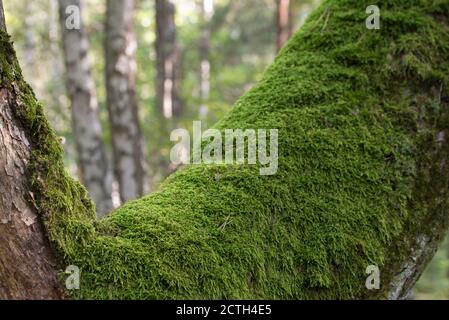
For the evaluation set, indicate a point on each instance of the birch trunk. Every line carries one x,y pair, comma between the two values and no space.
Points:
126,135
92,161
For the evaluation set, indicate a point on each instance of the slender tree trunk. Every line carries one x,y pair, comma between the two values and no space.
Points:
207,11
167,55
120,47
30,39
60,107
55,49
2,17
27,262
372,179
86,124
283,23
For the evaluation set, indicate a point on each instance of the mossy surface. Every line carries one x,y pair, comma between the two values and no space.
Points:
358,113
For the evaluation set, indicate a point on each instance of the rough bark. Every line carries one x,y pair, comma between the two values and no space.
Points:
92,161
363,177
27,262
26,258
122,104
283,23
168,100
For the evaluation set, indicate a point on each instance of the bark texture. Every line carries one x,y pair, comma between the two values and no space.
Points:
167,55
126,135
27,262
92,161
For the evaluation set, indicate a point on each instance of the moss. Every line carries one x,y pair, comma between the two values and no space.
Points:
357,124
66,208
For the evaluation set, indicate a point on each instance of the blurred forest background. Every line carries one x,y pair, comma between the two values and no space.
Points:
181,61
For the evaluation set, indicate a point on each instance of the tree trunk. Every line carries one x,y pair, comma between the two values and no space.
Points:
207,11
362,180
2,17
167,55
126,135
86,124
27,262
283,23
57,71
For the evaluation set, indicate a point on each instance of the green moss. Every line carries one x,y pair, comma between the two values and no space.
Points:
67,210
357,124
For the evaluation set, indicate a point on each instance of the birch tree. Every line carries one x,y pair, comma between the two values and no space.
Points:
87,129
120,46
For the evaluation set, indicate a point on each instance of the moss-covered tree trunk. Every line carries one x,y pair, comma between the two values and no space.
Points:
363,177
27,262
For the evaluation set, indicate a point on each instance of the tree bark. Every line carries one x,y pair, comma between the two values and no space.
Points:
363,179
26,258
27,262
283,23
168,100
92,160
120,47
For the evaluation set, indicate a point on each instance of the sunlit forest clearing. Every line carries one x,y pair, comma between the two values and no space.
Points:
116,87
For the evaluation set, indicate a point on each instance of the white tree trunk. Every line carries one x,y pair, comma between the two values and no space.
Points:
122,103
87,129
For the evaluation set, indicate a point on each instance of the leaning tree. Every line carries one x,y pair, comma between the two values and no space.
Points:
363,179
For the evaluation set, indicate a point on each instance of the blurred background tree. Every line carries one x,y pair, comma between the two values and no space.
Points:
194,59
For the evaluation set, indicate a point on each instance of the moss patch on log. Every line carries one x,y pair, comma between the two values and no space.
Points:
360,173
